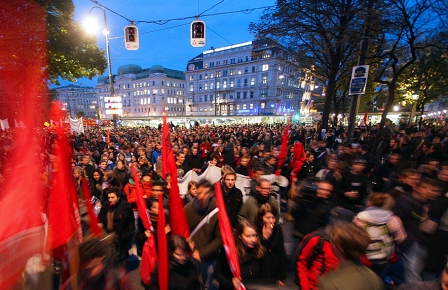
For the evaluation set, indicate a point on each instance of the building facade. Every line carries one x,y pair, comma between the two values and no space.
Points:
144,92
78,101
253,78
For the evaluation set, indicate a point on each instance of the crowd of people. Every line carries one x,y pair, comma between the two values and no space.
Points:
361,221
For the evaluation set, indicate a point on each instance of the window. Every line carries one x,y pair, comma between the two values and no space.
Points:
205,76
237,107
232,83
251,94
239,71
246,70
251,106
224,84
205,86
244,106
224,73
265,79
253,69
232,72
211,75
211,86
154,91
252,81
265,67
262,105
238,95
191,67
245,82
232,61
238,83
224,62
191,87
200,87
218,63
212,64
205,98
218,74
244,95
218,85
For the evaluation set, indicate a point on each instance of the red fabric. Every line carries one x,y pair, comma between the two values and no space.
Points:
108,137
149,256
299,157
283,149
227,234
63,208
179,223
163,247
364,119
131,194
309,277
94,227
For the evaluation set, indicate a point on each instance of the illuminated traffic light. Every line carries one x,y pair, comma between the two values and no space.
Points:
131,39
197,33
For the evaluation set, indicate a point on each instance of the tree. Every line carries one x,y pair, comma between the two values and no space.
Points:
400,33
72,54
326,34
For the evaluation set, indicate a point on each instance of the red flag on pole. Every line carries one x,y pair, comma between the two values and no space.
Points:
149,256
227,234
364,119
178,219
283,149
163,247
298,159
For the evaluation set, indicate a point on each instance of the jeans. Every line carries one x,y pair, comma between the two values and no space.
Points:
414,262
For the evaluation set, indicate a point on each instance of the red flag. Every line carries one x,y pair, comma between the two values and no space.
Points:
283,149
63,208
178,219
149,256
108,137
298,159
163,247
364,119
93,222
227,234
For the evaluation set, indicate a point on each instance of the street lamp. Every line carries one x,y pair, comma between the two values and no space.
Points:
109,64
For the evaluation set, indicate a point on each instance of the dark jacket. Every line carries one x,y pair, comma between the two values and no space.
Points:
194,161
180,276
250,267
208,239
233,200
275,254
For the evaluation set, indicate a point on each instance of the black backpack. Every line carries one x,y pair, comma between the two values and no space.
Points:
318,249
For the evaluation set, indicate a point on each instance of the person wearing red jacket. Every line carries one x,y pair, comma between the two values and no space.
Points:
311,262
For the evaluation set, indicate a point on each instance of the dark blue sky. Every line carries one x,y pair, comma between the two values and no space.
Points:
169,44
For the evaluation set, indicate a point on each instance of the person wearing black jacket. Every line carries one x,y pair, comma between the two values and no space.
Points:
233,197
117,217
194,160
353,187
243,168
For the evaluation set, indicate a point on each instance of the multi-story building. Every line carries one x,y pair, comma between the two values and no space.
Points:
252,78
144,92
78,101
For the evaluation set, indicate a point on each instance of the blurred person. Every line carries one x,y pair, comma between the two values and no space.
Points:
183,269
349,243
233,197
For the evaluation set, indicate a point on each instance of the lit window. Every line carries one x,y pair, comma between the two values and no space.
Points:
252,81
265,67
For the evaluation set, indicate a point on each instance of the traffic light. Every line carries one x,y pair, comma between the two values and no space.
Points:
131,39
197,33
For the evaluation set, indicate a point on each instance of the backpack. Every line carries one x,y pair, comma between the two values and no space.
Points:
318,249
381,245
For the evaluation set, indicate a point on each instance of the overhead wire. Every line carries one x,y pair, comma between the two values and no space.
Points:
162,22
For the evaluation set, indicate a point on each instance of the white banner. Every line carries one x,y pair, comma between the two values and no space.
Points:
4,124
76,125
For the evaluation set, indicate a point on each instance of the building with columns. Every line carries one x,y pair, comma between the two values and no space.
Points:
144,92
258,77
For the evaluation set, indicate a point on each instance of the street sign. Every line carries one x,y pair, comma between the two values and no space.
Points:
359,80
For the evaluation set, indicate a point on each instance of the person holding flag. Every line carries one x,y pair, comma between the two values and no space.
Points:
205,236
